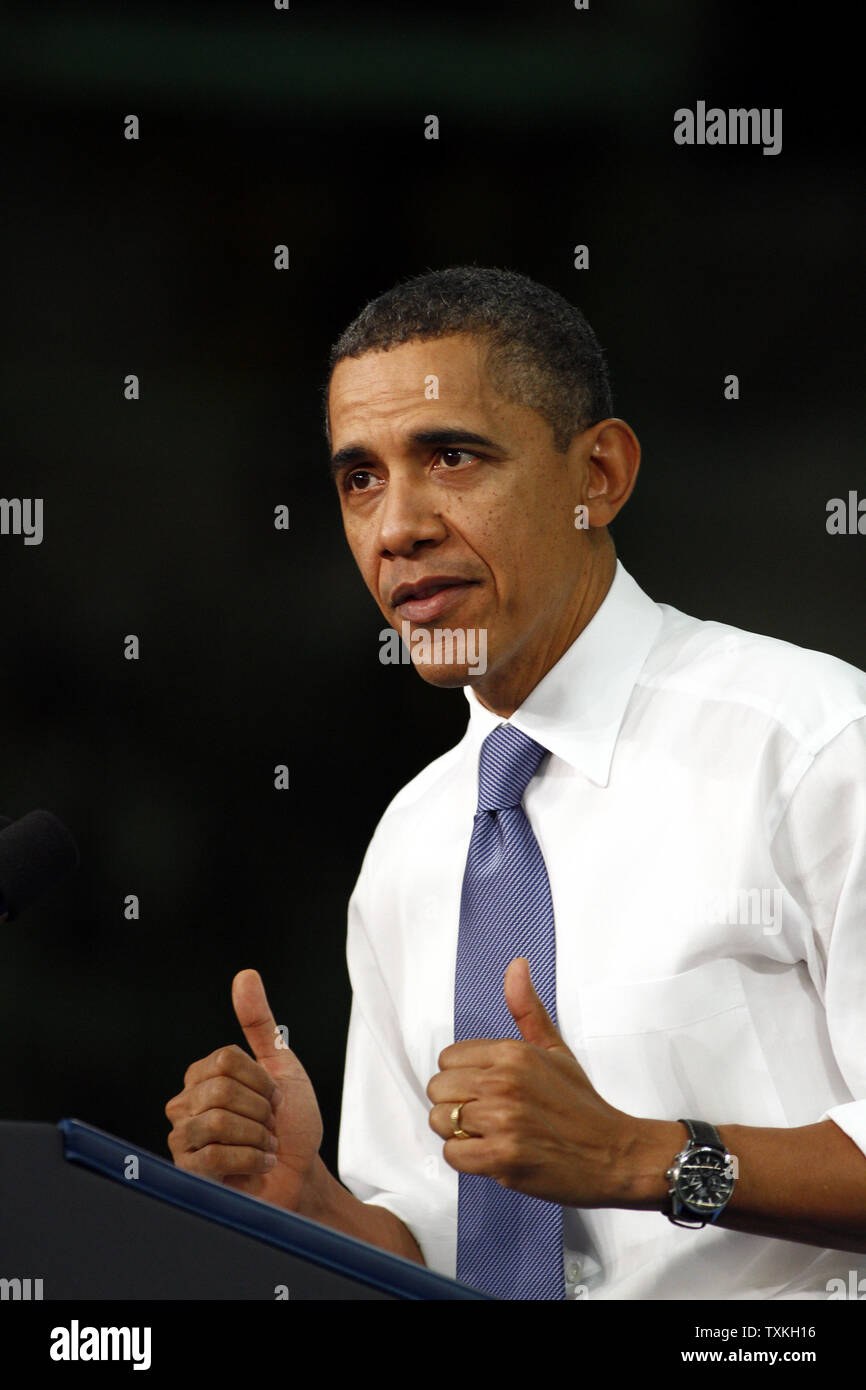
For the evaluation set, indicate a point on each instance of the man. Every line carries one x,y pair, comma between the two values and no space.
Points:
658,822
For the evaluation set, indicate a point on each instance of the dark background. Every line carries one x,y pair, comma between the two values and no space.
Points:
261,647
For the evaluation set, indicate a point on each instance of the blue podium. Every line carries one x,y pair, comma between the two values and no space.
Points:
93,1217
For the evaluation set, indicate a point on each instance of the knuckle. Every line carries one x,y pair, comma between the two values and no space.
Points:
240,1160
502,1119
178,1139
518,1116
203,1129
183,1151
220,1090
224,1057
509,1151
222,1158
213,1125
206,1159
516,1068
506,1080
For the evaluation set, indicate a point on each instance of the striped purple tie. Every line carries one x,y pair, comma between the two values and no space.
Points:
508,1244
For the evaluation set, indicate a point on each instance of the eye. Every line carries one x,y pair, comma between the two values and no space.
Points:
358,473
449,456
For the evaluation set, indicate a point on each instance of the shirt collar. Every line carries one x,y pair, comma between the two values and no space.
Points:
577,709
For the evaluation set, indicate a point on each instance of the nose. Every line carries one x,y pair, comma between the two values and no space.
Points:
408,517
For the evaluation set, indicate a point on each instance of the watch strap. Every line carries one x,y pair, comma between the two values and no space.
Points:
703,1134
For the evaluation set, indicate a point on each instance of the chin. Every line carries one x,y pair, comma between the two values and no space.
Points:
447,677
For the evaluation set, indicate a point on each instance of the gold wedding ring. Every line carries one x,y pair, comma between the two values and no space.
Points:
455,1122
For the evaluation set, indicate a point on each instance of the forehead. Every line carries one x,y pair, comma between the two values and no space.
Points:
387,388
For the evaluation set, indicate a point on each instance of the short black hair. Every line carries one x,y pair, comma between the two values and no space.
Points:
542,352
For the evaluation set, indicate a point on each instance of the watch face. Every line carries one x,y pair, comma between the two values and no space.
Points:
704,1182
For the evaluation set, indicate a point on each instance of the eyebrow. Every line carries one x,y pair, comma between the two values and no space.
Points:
445,437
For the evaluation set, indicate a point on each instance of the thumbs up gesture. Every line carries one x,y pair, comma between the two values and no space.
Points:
251,1122
532,1118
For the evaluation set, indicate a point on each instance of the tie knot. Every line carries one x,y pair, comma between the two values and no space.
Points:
508,760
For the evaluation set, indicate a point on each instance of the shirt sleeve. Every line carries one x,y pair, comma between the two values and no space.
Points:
822,843
387,1154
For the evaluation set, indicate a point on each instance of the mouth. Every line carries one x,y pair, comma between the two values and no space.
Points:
429,598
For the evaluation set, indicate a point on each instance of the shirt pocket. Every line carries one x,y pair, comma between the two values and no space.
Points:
683,1046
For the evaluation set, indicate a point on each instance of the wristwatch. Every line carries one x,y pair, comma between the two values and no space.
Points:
701,1177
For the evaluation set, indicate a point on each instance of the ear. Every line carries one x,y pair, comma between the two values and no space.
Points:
611,454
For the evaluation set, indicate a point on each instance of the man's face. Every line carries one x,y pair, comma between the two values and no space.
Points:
453,533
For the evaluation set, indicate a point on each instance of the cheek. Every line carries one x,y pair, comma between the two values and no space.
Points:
536,499
528,540
517,529
544,522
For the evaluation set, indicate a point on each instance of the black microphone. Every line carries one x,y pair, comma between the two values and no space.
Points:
35,852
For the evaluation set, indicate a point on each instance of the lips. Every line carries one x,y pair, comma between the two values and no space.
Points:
422,588
428,598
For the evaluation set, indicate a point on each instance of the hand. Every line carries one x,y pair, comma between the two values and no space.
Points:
254,1125
535,1121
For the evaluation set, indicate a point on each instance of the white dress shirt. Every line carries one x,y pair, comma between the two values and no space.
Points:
702,816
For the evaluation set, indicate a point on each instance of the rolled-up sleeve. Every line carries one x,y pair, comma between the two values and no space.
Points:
388,1155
